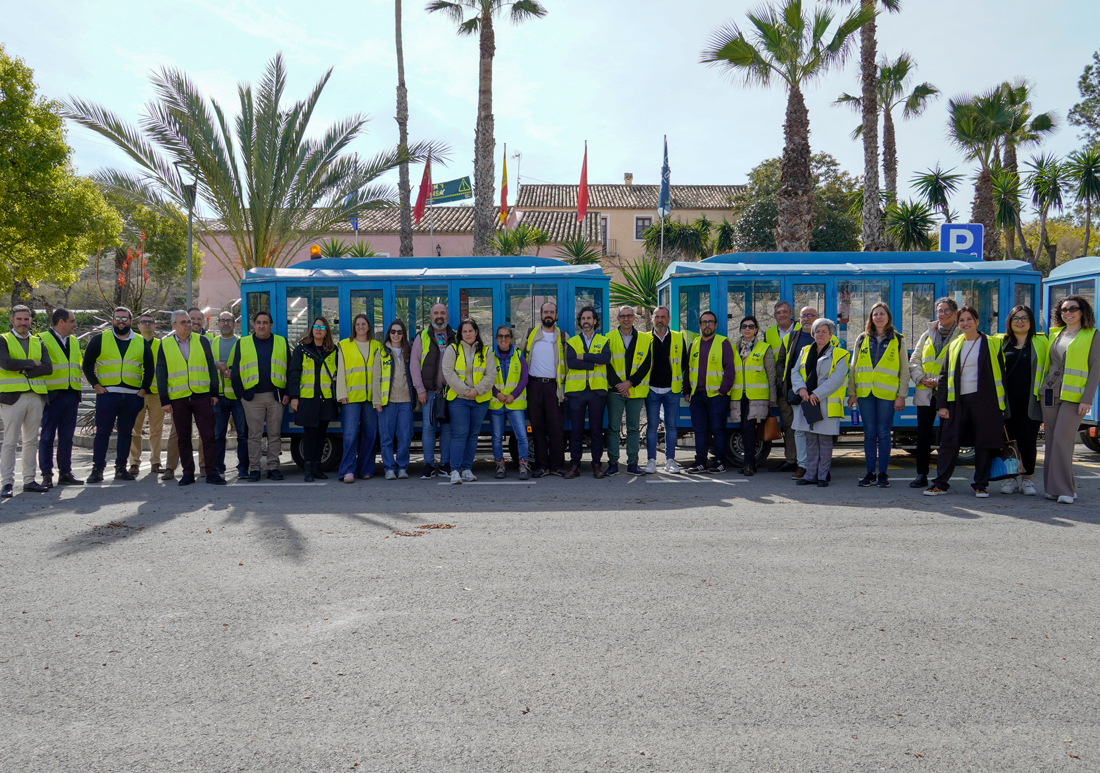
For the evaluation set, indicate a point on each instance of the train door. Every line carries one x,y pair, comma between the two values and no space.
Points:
914,305
690,299
257,297
413,303
476,301
523,307
366,298
304,303
984,295
592,294
854,298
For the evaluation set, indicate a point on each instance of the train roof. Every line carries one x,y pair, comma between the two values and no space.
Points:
438,268
1075,268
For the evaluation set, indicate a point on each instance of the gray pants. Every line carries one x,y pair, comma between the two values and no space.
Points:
819,456
786,411
1062,425
263,409
22,420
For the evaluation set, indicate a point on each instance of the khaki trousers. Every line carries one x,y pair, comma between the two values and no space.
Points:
156,413
263,409
22,420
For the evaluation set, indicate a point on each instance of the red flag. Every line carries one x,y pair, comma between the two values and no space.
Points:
582,192
504,189
424,193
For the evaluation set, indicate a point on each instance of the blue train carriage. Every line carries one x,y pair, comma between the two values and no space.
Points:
843,286
1077,277
491,290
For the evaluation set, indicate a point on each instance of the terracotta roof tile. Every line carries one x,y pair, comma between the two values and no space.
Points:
628,196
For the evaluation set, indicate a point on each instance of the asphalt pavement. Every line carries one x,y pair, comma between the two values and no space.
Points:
661,623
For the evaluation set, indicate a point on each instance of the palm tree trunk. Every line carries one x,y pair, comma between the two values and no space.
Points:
1043,238
1012,164
796,185
403,139
985,213
889,154
485,143
1088,225
872,216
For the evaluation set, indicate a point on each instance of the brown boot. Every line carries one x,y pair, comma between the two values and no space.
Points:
597,470
574,471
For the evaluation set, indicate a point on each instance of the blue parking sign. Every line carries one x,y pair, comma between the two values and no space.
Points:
965,238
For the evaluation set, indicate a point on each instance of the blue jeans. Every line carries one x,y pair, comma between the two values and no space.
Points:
396,419
112,407
359,422
708,417
518,420
466,419
878,421
654,402
222,411
58,421
428,431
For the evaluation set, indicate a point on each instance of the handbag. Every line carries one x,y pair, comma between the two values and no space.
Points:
1007,463
768,429
441,410
793,397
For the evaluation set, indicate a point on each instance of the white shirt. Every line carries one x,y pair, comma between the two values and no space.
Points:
540,363
970,359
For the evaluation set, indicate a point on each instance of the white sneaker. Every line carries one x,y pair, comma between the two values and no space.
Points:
402,474
391,475
456,477
468,476
1065,500
1029,488
651,467
1050,496
672,468
1010,486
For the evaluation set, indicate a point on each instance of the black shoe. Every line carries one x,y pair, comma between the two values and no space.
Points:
716,468
444,469
784,467
867,480
254,476
274,475
47,480
7,492
921,481
696,469
749,471
215,480
317,472
429,472
187,479
242,474
612,469
536,473
634,469
96,476
121,473
309,473
883,480
805,482
35,487
67,479
822,484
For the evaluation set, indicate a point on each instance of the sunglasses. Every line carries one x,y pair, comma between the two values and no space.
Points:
1070,309
124,319
748,327
503,336
319,327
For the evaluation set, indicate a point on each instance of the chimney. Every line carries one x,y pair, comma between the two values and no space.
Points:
628,178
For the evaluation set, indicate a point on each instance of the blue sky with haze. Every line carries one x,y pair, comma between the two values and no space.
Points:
618,74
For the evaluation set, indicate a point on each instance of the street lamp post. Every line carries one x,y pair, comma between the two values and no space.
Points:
189,193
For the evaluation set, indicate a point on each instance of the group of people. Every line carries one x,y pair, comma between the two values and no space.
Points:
985,390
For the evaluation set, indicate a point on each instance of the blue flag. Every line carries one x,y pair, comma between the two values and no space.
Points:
354,217
664,203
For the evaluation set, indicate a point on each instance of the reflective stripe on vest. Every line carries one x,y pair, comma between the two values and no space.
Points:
752,378
250,362
882,380
114,369
479,371
642,344
933,363
715,371
578,380
1076,374
66,371
356,369
186,377
14,380
834,403
309,368
953,359
505,386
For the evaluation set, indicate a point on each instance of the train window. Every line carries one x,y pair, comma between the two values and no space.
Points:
664,297
368,302
918,303
477,304
809,295
854,299
522,304
983,295
414,305
256,302
1085,288
304,304
694,300
591,296
755,298
764,297
737,304
1025,296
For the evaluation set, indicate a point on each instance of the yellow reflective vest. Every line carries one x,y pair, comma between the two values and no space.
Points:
933,363
186,377
14,380
675,359
357,369
577,380
715,371
752,378
953,352
642,344
66,370
880,380
506,385
479,371
249,365
113,369
834,403
1076,374
309,369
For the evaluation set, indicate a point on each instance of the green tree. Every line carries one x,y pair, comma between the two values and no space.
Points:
1027,129
909,225
482,24
937,187
1048,182
1086,113
639,288
791,47
1007,204
1083,169
578,251
272,185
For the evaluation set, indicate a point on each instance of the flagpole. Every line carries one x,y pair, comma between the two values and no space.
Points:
431,223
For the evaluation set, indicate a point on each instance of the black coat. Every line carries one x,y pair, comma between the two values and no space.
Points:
312,411
989,422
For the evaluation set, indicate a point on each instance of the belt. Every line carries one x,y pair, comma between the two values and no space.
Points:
542,380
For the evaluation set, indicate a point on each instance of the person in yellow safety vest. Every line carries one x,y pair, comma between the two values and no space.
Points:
24,367
970,399
587,357
198,322
666,382
545,351
794,343
469,369
311,383
393,394
708,380
819,380
879,384
1025,350
1066,387
753,394
258,372
59,415
358,419
628,382
509,401
119,365
151,409
229,406
427,375
188,383
925,364
778,337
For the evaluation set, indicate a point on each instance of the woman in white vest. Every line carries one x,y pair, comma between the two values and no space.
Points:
509,401
393,395
754,390
879,384
469,368
311,380
1067,386
358,419
819,378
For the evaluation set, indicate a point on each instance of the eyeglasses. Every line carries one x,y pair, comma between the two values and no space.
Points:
707,322
749,326
122,319
808,316
140,321
319,327
504,336
944,312
1070,309
1019,318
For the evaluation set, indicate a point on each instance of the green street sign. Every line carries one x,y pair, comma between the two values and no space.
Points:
452,190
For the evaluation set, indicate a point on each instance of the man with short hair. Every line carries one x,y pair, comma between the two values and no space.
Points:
151,409
426,367
24,365
228,406
628,379
257,370
198,321
708,380
546,368
187,382
119,366
60,412
797,341
666,381
778,337
925,365
588,356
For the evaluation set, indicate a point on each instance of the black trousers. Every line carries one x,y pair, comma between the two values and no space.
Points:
1025,431
948,457
594,404
547,423
313,442
748,434
926,432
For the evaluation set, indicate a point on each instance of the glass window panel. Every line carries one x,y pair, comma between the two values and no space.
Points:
737,304
256,302
304,304
368,302
983,295
918,308
664,297
590,296
1025,296
764,297
854,299
1085,288
694,300
809,295
477,304
522,304
414,305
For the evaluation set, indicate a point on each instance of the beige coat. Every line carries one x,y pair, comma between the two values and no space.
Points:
923,397
461,382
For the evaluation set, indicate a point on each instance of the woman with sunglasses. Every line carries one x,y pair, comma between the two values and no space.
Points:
1067,381
469,368
311,380
1024,349
753,393
358,419
392,395
509,401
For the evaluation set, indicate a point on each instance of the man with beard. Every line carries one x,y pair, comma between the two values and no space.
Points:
546,368
586,385
426,368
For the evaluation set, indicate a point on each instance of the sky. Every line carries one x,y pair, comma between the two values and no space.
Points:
614,73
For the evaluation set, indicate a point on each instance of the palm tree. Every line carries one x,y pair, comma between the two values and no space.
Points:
937,186
724,236
977,125
403,187
641,279
1027,130
578,251
909,225
271,186
793,48
893,91
334,248
1047,181
1083,169
1006,202
484,137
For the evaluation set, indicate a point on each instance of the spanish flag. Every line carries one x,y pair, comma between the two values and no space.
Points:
504,188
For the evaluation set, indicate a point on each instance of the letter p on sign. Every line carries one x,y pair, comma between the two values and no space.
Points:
962,238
